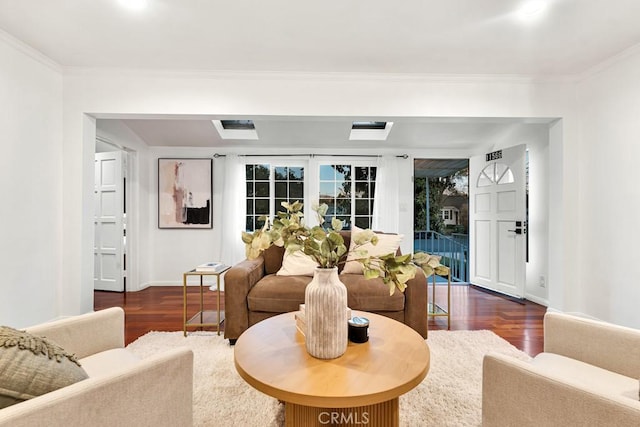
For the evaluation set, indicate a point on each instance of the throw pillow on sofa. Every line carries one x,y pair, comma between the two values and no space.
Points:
387,243
297,264
31,366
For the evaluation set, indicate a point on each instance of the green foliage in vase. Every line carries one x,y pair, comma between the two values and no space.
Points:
327,247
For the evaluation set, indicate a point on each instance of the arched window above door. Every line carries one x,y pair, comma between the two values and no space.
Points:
495,174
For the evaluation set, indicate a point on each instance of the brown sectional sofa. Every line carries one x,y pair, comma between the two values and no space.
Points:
253,292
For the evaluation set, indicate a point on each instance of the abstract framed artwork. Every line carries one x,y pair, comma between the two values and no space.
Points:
184,193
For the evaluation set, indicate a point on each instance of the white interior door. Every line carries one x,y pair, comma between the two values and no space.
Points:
497,224
109,222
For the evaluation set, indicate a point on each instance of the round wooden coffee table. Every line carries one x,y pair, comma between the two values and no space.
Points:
361,387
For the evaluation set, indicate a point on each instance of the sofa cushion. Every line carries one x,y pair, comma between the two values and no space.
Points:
297,264
370,294
278,294
273,259
31,366
387,244
109,361
588,376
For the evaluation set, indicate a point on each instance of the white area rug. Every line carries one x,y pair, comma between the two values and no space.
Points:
451,395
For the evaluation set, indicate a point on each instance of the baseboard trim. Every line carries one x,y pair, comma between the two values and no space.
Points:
541,301
498,294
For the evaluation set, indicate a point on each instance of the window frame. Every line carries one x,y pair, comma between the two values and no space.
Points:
274,163
353,163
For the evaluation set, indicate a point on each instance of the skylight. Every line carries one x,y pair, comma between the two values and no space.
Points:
236,129
370,130
368,125
237,124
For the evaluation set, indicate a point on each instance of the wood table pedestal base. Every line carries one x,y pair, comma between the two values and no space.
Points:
385,414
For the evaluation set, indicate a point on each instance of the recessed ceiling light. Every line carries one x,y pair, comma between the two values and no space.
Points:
134,4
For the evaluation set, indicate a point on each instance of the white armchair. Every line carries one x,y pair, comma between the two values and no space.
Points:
588,375
121,390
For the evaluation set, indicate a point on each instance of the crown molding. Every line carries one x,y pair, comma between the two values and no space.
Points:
315,76
30,51
608,63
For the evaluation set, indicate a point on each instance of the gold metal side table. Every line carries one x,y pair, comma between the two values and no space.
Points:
203,317
435,310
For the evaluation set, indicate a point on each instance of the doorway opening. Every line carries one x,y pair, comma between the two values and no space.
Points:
441,212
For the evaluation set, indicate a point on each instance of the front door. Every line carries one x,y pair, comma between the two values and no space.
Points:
497,225
109,222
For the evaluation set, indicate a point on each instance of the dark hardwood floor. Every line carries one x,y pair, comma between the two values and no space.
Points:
159,308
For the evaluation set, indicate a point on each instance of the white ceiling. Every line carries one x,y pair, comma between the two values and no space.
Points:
327,132
375,36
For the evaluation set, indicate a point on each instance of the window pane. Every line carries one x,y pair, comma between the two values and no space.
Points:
295,191
372,173
343,206
262,172
343,189
262,206
327,189
262,189
362,207
278,203
249,207
296,174
362,173
249,223
363,222
362,190
280,174
249,172
343,172
281,189
327,173
250,192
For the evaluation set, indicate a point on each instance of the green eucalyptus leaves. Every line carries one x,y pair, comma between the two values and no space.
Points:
327,248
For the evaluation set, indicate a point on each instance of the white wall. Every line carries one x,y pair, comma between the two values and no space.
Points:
609,197
31,209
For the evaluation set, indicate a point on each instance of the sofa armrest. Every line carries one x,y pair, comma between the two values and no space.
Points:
156,392
415,303
516,393
238,281
86,334
608,346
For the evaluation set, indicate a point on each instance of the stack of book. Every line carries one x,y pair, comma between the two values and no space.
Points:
211,267
301,321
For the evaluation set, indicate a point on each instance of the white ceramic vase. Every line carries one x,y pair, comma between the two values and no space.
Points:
326,315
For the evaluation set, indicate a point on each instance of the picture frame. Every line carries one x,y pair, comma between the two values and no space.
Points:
185,191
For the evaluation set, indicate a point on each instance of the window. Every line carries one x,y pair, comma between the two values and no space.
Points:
446,214
289,185
258,195
495,173
348,190
267,187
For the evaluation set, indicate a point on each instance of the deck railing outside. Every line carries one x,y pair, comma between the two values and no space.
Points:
454,250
